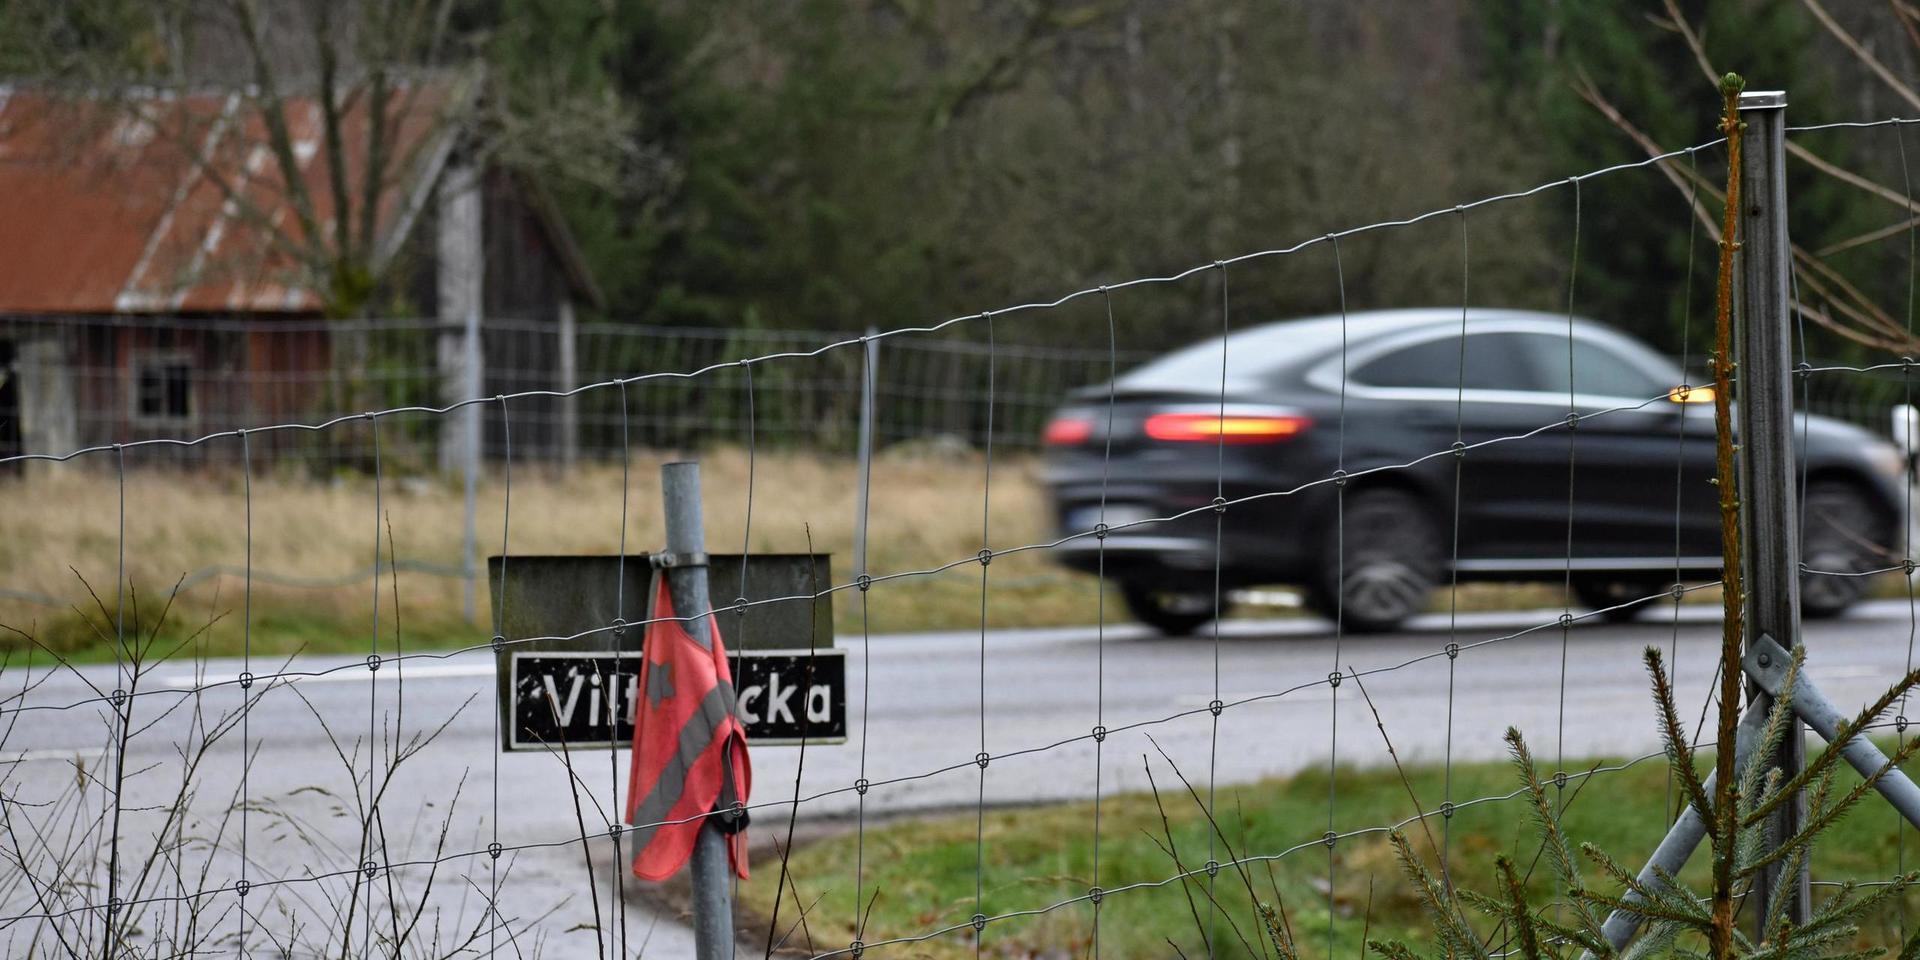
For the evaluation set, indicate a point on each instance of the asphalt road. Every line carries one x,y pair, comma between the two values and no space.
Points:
1577,693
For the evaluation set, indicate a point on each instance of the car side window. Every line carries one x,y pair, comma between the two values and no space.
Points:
1492,362
1597,370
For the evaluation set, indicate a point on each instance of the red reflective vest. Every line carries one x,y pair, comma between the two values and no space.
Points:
689,747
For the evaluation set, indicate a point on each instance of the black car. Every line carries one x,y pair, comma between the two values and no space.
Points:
1486,413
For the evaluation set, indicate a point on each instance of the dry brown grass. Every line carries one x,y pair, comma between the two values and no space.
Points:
925,512
60,525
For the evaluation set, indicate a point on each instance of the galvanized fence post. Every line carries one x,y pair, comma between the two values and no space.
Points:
864,450
687,585
1769,506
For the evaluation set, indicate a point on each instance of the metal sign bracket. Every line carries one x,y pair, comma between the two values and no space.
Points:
667,560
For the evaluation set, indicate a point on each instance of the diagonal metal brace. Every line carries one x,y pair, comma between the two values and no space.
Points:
1766,663
1684,836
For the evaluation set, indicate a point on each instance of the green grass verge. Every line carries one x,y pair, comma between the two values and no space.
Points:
205,620
190,634
920,875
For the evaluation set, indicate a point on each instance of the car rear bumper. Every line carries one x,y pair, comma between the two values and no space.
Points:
1168,560
1269,540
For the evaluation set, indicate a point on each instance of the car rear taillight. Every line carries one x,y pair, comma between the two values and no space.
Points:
1231,428
1068,431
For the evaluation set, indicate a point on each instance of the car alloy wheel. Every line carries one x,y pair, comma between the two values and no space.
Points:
1838,545
1381,560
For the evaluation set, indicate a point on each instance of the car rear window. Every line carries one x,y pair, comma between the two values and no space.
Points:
1252,357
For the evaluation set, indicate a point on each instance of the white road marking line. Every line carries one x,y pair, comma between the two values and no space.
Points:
1268,598
52,753
351,673
1852,672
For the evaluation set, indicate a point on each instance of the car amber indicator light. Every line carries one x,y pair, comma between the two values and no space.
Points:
1190,427
1690,394
1066,431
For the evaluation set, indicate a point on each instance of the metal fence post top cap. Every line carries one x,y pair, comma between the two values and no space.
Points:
1763,99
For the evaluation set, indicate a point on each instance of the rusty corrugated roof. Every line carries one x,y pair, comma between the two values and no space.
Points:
164,203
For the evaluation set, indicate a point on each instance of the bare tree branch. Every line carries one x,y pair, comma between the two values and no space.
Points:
1871,236
1861,53
1689,183
273,112
1870,324
1677,22
1852,179
327,54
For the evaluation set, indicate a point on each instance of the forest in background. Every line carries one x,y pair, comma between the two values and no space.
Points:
839,164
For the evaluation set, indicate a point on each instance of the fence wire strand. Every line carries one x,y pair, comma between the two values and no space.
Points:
1100,611
1453,586
983,757
1340,601
1906,505
494,848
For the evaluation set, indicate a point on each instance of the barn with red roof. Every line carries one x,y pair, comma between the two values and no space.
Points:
155,279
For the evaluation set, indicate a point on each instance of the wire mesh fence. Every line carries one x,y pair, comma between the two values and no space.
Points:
81,381
167,802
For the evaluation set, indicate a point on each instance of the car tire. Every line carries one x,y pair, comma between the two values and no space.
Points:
1841,536
1391,559
1606,596
1175,613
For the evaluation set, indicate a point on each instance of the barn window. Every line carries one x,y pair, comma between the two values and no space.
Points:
163,387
